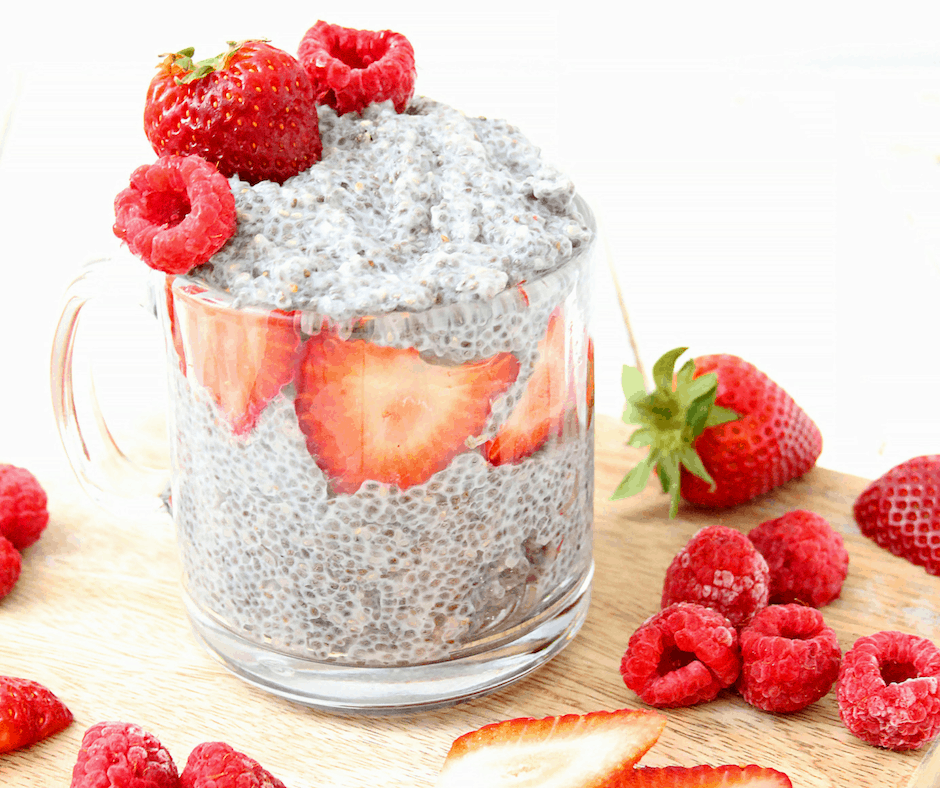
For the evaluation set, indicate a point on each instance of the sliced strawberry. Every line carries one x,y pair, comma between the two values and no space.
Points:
243,357
570,751
701,777
28,713
174,328
382,413
540,414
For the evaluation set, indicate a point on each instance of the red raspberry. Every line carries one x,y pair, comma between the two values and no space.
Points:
789,658
23,514
176,213
123,755
721,569
217,765
683,655
10,566
807,559
351,69
889,690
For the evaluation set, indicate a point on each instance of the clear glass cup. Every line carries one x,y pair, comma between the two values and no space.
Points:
318,564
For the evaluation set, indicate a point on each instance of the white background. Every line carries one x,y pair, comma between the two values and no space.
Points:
767,177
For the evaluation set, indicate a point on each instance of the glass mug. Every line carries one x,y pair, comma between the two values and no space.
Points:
310,569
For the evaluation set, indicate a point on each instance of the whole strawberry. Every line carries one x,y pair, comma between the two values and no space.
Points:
28,713
251,111
901,511
720,431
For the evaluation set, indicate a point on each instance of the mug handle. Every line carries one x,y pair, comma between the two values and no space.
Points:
109,477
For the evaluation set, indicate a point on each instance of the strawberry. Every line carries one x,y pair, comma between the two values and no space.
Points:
540,413
382,413
901,511
174,327
720,431
701,777
243,357
251,111
28,713
570,751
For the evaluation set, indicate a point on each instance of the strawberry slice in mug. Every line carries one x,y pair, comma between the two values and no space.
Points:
386,414
244,357
571,751
540,413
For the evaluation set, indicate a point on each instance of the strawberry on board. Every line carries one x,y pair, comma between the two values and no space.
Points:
386,414
720,431
540,413
28,713
250,110
570,751
901,511
243,357
701,777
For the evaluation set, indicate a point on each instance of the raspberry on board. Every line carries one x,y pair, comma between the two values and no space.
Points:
176,213
351,69
123,755
23,513
11,565
889,690
720,568
218,765
789,658
807,559
683,655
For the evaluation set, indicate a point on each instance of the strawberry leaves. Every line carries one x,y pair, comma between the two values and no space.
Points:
669,419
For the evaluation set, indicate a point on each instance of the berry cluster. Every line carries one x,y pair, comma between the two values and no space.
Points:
123,755
249,112
718,629
740,611
23,517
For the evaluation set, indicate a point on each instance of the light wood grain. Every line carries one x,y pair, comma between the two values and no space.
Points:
97,618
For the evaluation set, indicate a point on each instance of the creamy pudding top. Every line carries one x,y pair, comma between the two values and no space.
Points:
403,212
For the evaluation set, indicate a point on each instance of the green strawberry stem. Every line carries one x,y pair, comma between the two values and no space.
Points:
669,420
183,60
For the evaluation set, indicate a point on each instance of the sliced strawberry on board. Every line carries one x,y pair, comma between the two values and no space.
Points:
701,777
382,413
244,357
28,713
540,414
570,751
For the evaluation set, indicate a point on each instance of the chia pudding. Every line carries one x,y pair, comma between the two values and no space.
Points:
443,246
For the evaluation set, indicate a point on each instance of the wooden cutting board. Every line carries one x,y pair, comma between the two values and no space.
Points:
97,618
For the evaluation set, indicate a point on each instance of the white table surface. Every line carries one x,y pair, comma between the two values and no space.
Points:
767,186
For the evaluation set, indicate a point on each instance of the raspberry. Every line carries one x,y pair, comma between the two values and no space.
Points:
807,559
721,569
351,69
889,690
217,765
123,755
176,213
23,514
10,565
789,658
683,655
